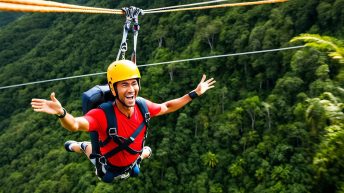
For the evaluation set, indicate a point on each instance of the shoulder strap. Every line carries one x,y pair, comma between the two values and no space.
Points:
141,102
111,120
110,114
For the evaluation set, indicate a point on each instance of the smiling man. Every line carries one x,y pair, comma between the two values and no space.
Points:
124,150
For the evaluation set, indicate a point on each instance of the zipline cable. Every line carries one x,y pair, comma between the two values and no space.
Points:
45,9
156,64
221,56
48,6
218,6
52,80
186,5
52,4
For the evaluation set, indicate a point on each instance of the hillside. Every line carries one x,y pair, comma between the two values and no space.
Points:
262,129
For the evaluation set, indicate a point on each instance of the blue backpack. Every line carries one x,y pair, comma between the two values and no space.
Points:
101,97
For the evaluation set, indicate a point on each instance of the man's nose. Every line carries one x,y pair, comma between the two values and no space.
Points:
131,88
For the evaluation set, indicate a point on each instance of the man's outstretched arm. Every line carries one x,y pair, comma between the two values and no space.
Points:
54,107
175,104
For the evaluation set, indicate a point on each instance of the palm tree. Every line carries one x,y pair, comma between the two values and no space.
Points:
333,46
315,115
326,107
210,159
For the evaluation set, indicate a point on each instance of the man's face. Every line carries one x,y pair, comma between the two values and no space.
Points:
128,91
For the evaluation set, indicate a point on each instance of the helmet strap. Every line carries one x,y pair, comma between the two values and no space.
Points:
138,82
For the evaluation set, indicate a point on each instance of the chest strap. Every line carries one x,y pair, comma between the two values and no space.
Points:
123,143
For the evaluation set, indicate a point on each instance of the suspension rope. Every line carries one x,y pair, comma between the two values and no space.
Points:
219,6
156,64
52,4
186,5
48,6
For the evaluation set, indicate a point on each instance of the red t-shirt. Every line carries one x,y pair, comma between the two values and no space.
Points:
125,128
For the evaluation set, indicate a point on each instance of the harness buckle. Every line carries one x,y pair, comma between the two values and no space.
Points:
102,160
122,176
147,117
113,131
136,27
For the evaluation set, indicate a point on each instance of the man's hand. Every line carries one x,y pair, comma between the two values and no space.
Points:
52,106
204,85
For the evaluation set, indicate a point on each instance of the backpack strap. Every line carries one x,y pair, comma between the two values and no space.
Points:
96,156
110,114
141,102
144,109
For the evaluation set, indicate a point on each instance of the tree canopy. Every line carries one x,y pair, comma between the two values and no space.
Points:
273,123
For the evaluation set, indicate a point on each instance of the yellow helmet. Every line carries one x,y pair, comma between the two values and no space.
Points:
122,70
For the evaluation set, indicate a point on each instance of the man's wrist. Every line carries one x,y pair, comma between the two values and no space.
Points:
63,114
193,94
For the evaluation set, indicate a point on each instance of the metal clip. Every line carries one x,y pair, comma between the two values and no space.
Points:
132,13
147,117
122,176
112,131
102,160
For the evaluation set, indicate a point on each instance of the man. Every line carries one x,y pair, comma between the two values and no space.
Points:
124,82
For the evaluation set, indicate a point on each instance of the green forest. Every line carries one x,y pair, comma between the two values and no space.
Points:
273,123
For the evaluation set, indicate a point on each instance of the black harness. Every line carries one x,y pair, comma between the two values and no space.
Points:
101,163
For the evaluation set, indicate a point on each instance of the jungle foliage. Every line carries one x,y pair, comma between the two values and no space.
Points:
273,123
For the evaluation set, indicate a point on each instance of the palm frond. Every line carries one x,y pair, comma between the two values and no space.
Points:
324,43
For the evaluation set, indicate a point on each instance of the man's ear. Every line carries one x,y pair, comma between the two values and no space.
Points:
112,88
